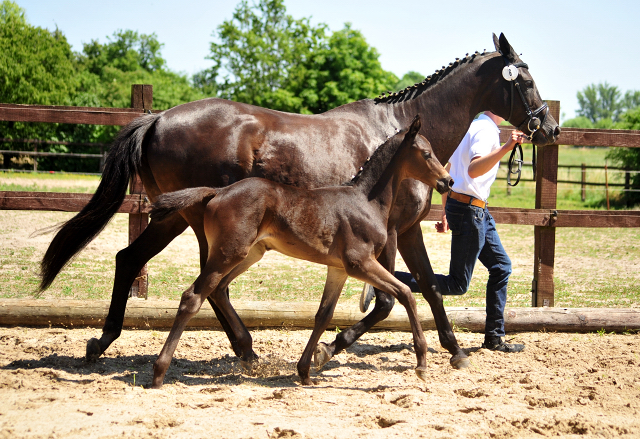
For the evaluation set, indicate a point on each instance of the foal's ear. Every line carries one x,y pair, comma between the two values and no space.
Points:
415,126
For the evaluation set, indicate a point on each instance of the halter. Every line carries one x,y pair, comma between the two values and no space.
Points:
532,122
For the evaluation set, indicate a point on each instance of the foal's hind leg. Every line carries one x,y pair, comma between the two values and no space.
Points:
129,262
190,303
204,254
255,254
336,277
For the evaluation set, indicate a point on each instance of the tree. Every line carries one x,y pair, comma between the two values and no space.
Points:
407,80
267,58
600,102
629,158
37,66
131,58
258,49
345,70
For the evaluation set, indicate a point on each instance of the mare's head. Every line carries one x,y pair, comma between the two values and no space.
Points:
420,163
520,102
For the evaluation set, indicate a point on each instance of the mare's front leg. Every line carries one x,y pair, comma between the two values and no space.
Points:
129,262
336,277
383,306
414,253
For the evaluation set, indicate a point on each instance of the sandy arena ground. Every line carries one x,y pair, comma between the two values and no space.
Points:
569,385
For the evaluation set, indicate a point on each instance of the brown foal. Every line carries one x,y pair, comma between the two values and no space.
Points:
343,227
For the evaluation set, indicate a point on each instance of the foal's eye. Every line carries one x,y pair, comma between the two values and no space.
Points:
426,155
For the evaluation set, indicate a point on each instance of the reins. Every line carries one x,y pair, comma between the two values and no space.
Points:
533,122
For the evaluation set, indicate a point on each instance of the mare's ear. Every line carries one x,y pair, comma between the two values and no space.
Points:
415,126
496,43
503,46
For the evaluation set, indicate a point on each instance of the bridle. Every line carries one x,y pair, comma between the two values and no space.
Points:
533,121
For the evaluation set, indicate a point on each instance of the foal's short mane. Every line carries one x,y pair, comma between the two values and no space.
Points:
416,89
372,169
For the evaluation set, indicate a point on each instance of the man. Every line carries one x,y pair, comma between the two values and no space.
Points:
473,167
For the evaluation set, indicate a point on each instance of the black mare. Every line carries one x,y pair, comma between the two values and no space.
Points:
214,142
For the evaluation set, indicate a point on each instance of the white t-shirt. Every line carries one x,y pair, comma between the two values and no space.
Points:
482,138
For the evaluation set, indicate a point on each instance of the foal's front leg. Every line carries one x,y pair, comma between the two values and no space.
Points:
414,253
336,277
383,305
375,274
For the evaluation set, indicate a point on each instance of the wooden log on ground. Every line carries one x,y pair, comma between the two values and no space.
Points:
153,314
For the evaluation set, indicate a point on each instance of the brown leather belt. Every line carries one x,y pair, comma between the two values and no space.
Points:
466,199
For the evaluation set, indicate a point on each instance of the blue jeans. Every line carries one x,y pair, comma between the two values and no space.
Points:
474,237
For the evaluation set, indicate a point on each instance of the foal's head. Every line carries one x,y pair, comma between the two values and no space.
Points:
419,161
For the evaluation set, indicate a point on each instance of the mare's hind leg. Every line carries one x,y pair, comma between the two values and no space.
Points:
382,307
375,274
129,262
336,277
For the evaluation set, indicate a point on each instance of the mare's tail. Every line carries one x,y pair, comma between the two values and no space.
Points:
172,202
121,165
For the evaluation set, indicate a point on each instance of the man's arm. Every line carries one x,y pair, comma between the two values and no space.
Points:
444,225
483,164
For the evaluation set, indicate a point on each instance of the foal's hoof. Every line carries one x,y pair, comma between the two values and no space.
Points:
422,373
321,356
93,350
248,365
460,362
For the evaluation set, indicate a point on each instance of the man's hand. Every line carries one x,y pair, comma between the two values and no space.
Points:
516,137
483,164
443,226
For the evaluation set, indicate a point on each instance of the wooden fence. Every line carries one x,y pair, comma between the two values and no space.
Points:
545,217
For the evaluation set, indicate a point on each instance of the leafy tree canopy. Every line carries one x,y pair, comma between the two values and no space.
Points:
37,66
267,58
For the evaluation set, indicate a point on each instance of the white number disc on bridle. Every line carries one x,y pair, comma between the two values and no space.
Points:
510,72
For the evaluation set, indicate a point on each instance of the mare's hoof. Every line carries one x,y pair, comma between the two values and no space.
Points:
422,373
93,350
321,356
459,362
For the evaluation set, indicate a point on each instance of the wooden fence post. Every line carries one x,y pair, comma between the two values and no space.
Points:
141,98
583,191
542,291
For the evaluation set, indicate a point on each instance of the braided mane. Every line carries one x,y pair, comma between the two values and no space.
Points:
416,89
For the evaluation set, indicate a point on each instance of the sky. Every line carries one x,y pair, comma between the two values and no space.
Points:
567,44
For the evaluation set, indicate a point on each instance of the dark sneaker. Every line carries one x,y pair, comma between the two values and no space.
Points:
496,344
366,297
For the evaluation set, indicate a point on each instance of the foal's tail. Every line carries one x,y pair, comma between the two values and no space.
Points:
121,165
169,203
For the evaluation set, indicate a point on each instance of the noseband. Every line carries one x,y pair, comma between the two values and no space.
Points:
533,121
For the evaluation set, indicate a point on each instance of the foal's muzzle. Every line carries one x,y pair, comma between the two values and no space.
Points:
444,184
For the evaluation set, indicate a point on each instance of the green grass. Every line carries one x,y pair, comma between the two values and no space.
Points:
47,182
